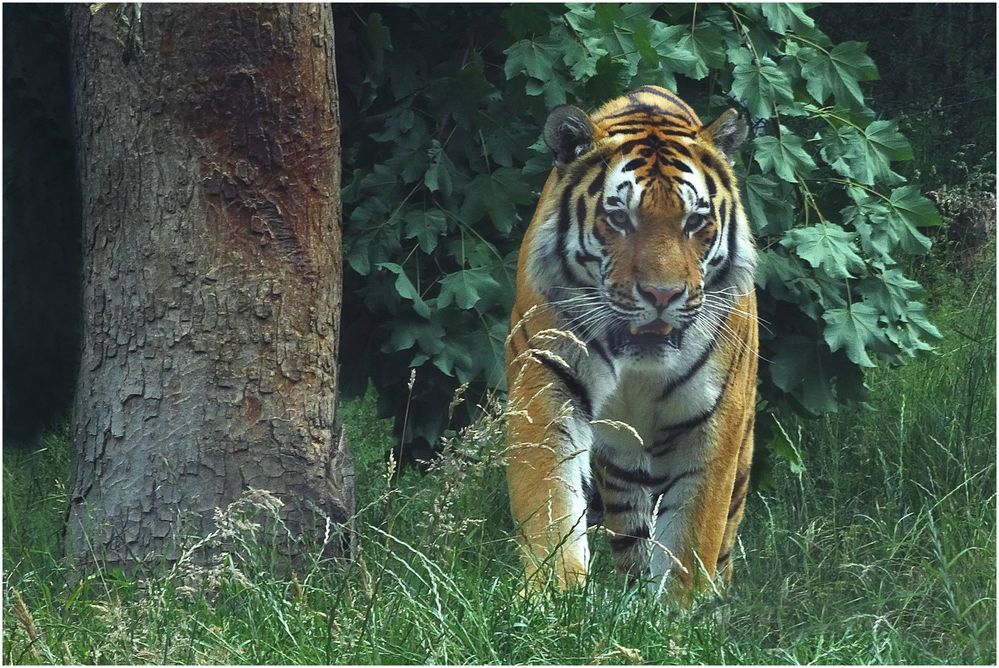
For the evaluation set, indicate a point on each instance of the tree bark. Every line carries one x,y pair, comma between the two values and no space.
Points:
208,143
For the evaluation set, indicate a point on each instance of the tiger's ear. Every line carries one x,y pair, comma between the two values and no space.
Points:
568,133
727,133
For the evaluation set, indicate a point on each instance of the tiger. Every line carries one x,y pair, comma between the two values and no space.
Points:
632,352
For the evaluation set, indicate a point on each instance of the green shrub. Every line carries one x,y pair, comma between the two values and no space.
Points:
443,108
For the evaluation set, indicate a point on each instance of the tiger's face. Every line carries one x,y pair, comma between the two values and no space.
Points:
644,220
656,235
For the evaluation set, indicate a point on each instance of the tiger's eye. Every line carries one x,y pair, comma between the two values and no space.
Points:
620,219
695,223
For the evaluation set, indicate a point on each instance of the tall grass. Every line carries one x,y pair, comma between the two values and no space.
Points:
881,551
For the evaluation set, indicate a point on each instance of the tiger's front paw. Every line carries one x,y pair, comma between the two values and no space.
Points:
559,572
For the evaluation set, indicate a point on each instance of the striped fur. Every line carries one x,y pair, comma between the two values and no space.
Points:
631,359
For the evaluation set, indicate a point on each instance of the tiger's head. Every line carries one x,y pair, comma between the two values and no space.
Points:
642,224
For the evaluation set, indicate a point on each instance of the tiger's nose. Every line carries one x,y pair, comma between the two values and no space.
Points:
660,295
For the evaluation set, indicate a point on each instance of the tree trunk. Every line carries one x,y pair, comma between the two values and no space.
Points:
208,143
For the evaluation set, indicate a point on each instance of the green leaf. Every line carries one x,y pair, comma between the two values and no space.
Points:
866,156
405,288
613,77
537,59
760,86
893,221
664,41
853,328
782,16
769,204
916,317
581,57
501,146
465,287
409,157
870,217
917,211
379,36
827,246
438,174
837,72
496,195
782,446
890,292
798,368
888,141
426,227
785,155
358,255
429,335
705,42
452,357
398,124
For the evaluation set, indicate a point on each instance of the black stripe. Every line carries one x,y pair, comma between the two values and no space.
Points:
628,130
662,446
581,167
632,165
664,508
677,147
636,476
719,171
736,504
693,368
647,142
600,350
613,486
722,221
581,227
686,474
740,479
710,242
682,166
597,184
569,381
712,188
514,348
522,327
562,232
668,441
690,423
646,110
562,431
619,507
626,542
653,144
739,491
729,254
723,558
748,430
669,96
667,129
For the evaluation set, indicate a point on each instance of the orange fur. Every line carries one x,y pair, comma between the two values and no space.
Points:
550,430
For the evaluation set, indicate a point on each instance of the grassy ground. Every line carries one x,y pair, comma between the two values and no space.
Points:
881,551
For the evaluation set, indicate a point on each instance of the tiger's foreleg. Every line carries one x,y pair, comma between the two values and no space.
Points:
548,468
705,528
627,512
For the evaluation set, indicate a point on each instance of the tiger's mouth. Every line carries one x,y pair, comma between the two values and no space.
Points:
656,327
655,334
